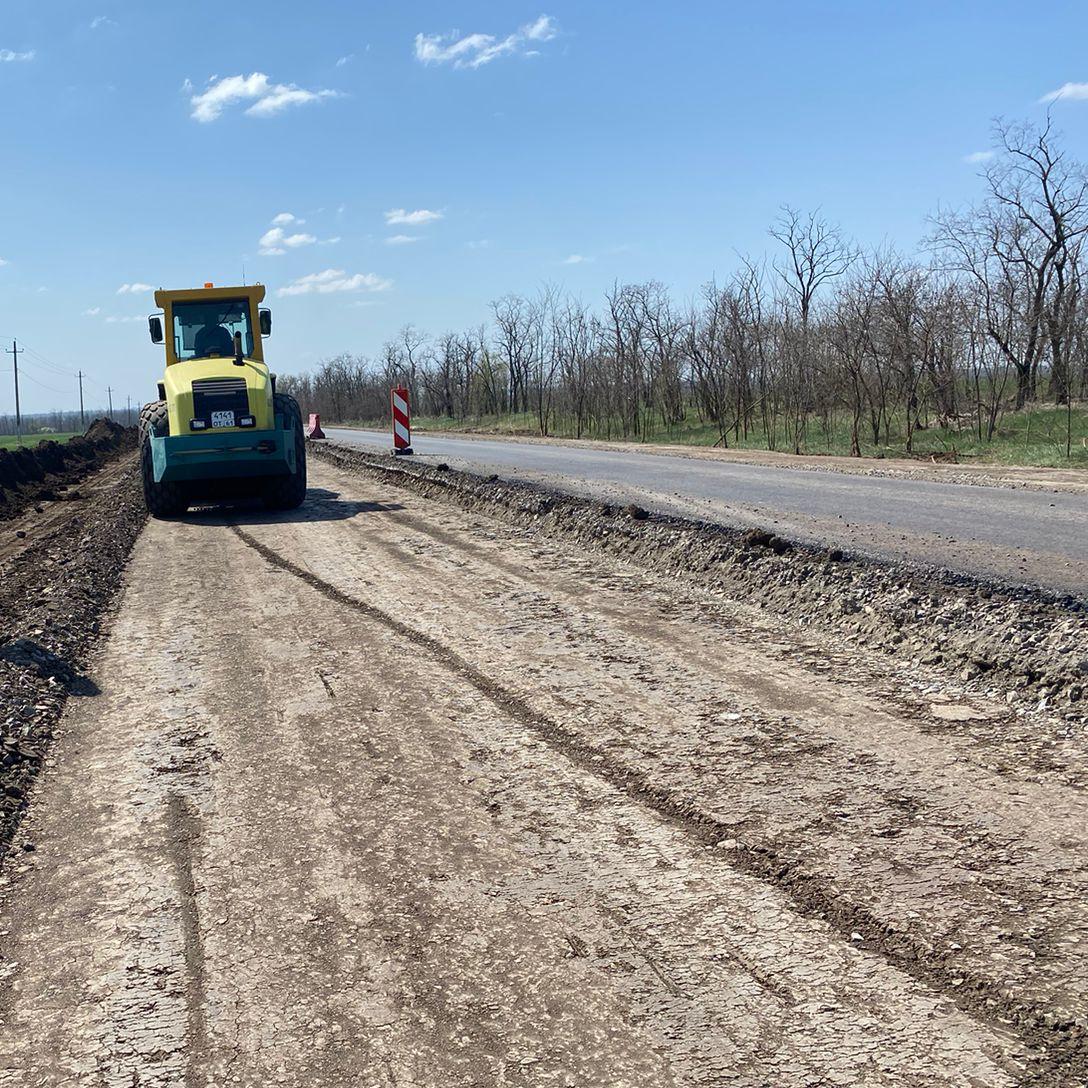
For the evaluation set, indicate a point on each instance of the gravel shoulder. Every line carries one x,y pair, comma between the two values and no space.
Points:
1029,536
442,797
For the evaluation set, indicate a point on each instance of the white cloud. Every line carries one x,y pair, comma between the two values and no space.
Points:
577,258
2,262
124,320
978,156
402,239
402,217
100,21
282,96
277,241
345,60
1075,92
134,288
476,50
94,311
8,56
542,30
267,98
479,243
334,280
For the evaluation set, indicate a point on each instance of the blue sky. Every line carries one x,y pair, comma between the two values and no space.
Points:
522,144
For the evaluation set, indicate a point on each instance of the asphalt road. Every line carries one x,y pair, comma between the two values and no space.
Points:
1032,537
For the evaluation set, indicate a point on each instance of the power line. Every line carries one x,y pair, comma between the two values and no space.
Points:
41,385
45,364
28,371
53,369
45,361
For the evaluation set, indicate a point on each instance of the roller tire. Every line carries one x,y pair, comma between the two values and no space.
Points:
155,418
163,500
289,492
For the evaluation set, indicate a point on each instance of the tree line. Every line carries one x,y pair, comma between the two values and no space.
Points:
990,316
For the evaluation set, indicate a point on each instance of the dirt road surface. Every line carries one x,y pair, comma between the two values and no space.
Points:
384,793
1026,526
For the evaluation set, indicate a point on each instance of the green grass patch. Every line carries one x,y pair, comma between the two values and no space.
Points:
1033,437
11,441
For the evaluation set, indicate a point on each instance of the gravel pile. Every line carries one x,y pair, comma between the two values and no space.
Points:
1032,646
52,598
32,474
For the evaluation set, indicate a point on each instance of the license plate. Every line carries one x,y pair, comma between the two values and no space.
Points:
222,419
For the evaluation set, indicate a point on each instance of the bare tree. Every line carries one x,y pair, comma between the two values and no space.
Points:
1020,247
816,253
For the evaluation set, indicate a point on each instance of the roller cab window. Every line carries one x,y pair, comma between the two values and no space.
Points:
205,329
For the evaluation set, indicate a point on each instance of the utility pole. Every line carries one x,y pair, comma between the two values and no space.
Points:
128,411
14,351
82,420
109,393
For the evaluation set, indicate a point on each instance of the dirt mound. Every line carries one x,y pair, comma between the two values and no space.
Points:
31,474
104,430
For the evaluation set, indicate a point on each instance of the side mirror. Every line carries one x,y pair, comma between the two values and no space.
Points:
154,326
266,322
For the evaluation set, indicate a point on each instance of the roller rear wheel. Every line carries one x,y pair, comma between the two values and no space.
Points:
163,500
288,492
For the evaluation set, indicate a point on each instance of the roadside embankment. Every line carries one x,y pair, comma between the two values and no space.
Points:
38,473
53,596
1010,642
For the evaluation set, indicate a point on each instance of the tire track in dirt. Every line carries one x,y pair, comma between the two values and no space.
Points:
951,836
1057,1045
183,821
971,835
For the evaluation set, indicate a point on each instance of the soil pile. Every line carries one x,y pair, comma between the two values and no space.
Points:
39,473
